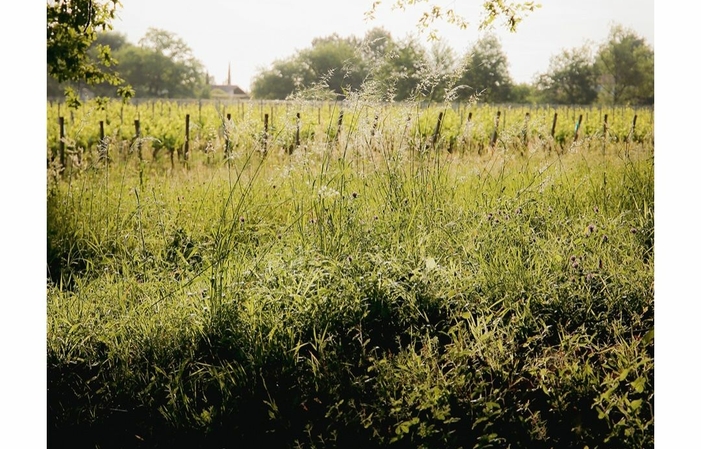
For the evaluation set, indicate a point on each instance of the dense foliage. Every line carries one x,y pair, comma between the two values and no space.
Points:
162,65
619,71
72,27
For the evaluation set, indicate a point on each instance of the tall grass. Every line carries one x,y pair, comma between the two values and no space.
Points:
369,289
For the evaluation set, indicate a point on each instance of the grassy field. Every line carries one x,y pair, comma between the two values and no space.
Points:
373,288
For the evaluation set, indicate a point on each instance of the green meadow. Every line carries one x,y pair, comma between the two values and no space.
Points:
385,281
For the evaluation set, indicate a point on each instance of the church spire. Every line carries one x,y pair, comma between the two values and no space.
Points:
228,76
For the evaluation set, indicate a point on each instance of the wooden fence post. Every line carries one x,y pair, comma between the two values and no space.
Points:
493,141
340,124
525,128
299,122
606,125
468,131
631,133
576,127
227,141
61,141
437,131
606,131
103,146
137,137
186,150
265,133
552,130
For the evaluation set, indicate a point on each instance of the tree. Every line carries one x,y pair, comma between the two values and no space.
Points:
625,63
486,72
570,79
330,68
375,45
512,14
282,79
71,28
402,69
523,93
335,61
442,71
116,42
163,66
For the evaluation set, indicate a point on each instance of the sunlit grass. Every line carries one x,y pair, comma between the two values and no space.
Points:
368,288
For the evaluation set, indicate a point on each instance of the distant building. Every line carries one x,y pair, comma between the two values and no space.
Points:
228,90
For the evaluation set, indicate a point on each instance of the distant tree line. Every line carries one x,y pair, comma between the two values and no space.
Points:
161,65
620,71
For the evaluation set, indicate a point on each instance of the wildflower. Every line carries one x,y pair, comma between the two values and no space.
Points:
355,195
604,238
633,231
326,192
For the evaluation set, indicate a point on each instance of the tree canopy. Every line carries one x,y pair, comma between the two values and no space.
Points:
511,13
162,65
571,78
626,66
486,72
72,27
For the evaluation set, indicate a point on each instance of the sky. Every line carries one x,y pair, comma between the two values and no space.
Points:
250,35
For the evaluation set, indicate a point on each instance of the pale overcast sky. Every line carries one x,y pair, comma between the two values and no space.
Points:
252,34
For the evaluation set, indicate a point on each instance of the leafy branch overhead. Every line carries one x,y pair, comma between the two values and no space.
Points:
512,14
71,27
